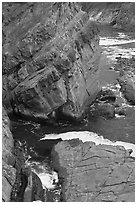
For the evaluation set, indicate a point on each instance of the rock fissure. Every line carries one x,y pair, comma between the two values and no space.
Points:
105,181
40,48
51,71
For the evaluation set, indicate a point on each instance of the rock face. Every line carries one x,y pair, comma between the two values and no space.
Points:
8,159
94,173
118,14
50,59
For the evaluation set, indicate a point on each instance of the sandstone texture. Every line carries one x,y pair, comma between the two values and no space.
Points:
94,173
50,59
118,14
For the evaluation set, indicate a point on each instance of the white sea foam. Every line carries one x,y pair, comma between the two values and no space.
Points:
117,46
49,180
90,136
114,41
113,52
48,177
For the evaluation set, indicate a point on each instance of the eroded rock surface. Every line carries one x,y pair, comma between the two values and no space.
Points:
50,59
94,173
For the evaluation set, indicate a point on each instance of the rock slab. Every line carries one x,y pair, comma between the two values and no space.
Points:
94,173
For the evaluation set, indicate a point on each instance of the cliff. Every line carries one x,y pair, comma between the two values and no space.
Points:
50,59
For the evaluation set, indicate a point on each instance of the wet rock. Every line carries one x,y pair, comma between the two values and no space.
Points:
127,78
125,65
120,111
33,190
27,186
37,190
50,58
106,110
125,111
106,95
94,173
127,88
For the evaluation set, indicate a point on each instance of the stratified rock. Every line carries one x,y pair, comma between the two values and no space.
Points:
94,173
50,59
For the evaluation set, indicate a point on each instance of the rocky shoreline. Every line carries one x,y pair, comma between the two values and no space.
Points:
50,74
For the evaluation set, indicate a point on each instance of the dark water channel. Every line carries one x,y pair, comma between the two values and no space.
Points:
114,43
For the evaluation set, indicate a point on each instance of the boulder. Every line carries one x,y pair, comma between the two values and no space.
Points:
127,88
50,59
106,110
94,173
106,95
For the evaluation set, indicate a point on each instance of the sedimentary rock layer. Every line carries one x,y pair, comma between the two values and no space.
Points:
94,173
50,59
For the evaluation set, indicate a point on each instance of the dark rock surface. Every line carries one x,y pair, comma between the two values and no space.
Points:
127,78
118,14
94,173
50,59
128,89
